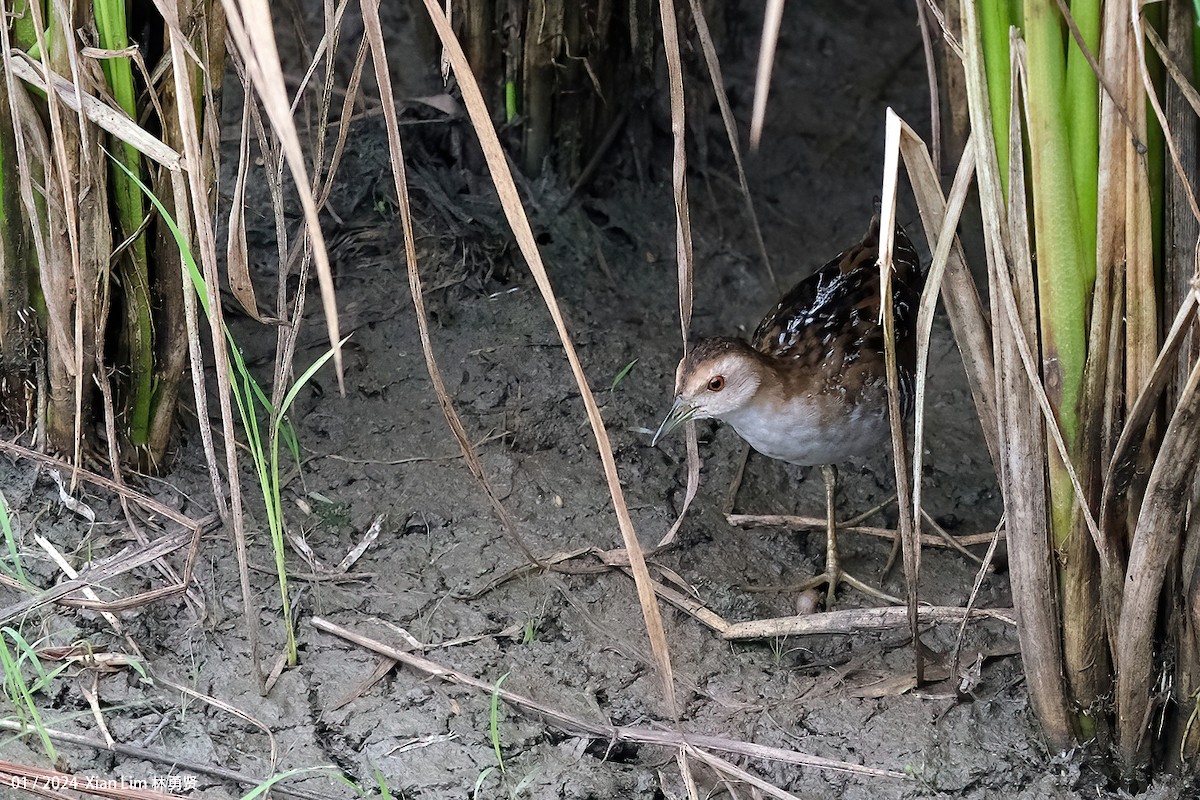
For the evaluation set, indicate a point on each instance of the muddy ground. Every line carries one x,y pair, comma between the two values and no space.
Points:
573,642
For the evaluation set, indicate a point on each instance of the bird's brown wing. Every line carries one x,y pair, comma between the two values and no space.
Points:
832,316
818,305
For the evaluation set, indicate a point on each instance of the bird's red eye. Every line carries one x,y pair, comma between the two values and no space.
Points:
717,383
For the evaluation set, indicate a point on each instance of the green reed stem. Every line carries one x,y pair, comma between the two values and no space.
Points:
133,266
994,23
1083,124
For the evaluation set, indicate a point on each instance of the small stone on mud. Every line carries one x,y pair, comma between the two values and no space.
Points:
807,602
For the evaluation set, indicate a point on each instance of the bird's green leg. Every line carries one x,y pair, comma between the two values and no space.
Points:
834,574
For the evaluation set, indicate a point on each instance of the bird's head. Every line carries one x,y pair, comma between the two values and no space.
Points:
717,378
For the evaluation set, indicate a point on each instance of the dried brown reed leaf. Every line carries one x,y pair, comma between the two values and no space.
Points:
772,19
718,83
228,708
679,190
195,359
960,296
853,620
325,49
353,90
33,155
1123,460
196,197
322,184
1139,33
685,773
1181,80
931,78
112,120
374,35
936,539
1141,296
984,568
251,29
933,287
693,484
683,233
511,201
1102,399
910,542
237,259
73,269
101,571
1155,545
72,574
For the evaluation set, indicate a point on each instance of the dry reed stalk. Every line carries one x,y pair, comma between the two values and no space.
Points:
713,63
251,30
909,523
374,35
772,19
196,198
580,727
684,258
514,211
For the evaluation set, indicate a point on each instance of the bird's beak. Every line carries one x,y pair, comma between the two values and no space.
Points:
680,413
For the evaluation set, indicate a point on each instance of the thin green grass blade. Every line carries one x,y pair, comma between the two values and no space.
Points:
384,792
265,786
494,722
622,375
12,567
246,392
17,689
483,776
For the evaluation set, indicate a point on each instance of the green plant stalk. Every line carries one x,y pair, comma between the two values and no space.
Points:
1063,284
994,22
1083,124
18,690
494,722
246,393
510,101
268,475
277,424
15,571
111,21
1064,290
23,30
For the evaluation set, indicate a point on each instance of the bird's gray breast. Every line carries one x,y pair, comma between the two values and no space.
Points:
805,436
